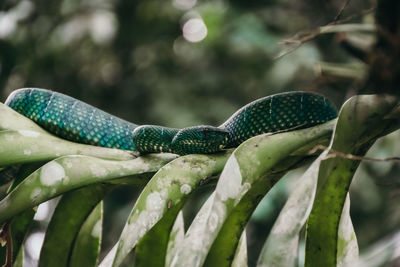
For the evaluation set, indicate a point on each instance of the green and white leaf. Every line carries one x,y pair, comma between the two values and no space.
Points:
175,238
240,258
70,172
250,172
281,246
88,242
347,240
69,217
161,200
362,120
24,141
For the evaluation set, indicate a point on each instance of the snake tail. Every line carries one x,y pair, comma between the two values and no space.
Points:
72,119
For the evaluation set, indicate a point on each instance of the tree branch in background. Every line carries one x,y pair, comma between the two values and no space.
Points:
334,153
302,37
384,58
339,14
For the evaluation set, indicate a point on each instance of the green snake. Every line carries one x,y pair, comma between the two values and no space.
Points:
77,121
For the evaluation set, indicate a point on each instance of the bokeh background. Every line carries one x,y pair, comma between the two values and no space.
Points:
187,62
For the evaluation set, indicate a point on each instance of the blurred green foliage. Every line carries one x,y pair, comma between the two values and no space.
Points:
132,59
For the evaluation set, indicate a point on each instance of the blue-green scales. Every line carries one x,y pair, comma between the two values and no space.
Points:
77,121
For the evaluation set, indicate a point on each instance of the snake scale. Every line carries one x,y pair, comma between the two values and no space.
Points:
77,121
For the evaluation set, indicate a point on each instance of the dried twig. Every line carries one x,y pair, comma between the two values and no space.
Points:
341,11
6,238
302,37
334,153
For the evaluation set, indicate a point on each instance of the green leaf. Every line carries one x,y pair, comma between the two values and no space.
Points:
19,260
195,230
20,223
7,175
12,120
160,202
24,146
249,173
281,246
24,141
71,172
175,238
240,258
22,172
361,121
19,229
155,241
70,214
87,244
347,240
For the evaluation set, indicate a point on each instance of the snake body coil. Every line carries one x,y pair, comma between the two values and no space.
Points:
77,121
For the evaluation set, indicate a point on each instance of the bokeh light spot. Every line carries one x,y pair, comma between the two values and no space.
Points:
184,4
9,20
194,30
8,23
103,26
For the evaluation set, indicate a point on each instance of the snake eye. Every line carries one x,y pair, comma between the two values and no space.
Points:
199,140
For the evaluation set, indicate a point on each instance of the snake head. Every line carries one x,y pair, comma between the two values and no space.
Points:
199,140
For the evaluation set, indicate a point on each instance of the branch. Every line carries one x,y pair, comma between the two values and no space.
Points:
6,239
384,76
334,153
302,37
